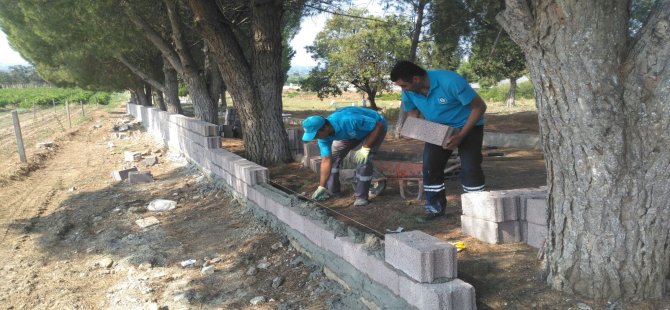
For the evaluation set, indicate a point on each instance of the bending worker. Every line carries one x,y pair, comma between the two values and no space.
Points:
344,130
444,97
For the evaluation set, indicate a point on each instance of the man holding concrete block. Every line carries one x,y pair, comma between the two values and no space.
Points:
344,130
444,97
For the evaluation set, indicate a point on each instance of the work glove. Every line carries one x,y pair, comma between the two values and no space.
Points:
320,194
362,155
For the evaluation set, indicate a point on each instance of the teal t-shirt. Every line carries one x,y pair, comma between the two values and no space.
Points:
350,123
447,101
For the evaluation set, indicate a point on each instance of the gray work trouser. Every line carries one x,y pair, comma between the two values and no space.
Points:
340,149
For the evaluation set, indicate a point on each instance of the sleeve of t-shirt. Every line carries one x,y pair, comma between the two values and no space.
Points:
406,102
324,146
460,88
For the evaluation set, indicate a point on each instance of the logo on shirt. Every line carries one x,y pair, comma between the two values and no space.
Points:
351,134
443,100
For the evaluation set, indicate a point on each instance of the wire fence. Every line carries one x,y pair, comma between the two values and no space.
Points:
37,125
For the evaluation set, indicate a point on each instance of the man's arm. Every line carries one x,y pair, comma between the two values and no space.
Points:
326,164
478,107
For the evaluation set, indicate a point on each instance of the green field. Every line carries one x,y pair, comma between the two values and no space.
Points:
26,97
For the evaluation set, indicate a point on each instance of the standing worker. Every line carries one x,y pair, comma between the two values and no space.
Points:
444,97
344,130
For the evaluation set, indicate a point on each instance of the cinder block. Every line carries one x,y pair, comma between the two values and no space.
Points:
257,197
121,175
452,295
331,243
241,168
310,150
283,213
421,256
495,206
382,273
135,177
536,234
353,253
131,156
296,221
536,211
491,232
315,164
241,187
529,193
433,133
314,231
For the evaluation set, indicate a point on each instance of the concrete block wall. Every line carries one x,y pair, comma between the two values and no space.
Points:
427,131
429,282
506,216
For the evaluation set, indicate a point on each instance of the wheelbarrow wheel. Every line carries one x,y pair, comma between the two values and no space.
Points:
412,188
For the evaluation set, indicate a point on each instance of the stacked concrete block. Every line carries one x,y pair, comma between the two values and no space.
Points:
310,150
315,164
453,295
506,216
535,226
492,217
131,156
433,133
295,139
421,256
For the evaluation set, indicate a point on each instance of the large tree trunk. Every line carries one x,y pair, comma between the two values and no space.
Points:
159,100
511,94
254,85
604,118
141,96
171,91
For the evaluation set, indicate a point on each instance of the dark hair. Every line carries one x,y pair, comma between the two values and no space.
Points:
406,70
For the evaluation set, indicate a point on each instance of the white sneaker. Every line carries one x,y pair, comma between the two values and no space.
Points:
360,202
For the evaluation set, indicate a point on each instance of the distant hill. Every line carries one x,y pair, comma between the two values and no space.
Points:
300,69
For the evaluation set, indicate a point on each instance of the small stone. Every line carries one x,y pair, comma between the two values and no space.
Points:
159,205
583,306
150,161
263,265
277,246
147,222
257,300
277,282
215,260
106,262
207,270
252,271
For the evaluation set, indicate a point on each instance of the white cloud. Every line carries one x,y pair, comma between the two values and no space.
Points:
8,56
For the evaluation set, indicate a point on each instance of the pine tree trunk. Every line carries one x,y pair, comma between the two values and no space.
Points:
159,100
602,105
147,94
510,101
171,89
254,84
373,102
141,96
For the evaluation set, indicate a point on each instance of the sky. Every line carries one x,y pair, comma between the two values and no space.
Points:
8,56
309,27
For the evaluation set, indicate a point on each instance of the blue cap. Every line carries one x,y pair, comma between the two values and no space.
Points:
312,124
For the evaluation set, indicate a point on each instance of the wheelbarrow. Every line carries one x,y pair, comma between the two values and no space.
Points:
409,175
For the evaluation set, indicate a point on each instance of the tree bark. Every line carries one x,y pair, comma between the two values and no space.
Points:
602,107
511,94
171,91
159,100
416,33
141,96
255,84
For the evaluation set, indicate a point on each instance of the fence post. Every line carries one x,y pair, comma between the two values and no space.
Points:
19,138
67,110
81,103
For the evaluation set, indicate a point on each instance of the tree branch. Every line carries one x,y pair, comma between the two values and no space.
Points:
517,19
145,77
154,37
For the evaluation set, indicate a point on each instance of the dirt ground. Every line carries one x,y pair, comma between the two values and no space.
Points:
70,238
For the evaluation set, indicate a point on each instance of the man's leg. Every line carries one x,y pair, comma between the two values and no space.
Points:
434,160
340,149
364,172
470,152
